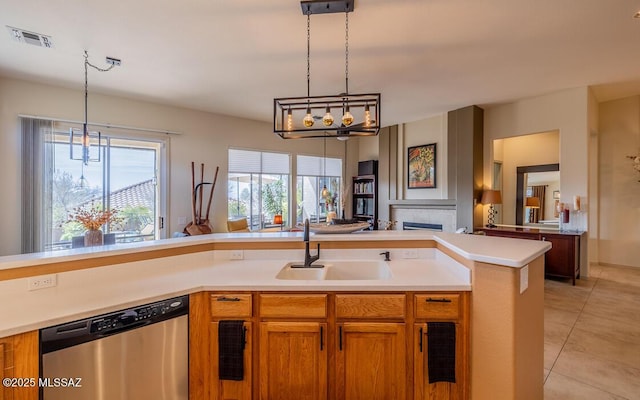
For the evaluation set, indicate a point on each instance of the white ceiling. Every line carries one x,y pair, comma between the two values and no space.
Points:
424,56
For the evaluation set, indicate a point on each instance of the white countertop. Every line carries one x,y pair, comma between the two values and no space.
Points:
87,292
494,250
84,293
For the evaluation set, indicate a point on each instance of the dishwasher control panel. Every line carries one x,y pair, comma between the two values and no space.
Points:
137,316
65,335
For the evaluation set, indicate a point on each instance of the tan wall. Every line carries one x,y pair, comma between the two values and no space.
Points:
205,138
619,189
426,131
565,111
507,363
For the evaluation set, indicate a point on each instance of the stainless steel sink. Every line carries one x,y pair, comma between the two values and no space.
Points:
338,270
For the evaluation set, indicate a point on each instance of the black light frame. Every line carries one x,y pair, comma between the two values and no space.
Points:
317,105
356,104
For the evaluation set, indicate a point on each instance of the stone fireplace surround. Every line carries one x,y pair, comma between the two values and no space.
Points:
444,215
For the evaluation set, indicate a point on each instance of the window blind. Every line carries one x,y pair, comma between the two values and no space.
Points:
314,166
247,161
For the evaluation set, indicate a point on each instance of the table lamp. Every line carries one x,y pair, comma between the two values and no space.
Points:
532,202
491,197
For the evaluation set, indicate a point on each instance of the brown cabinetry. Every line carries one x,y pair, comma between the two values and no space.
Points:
327,345
371,361
19,358
205,314
293,361
293,346
562,260
439,307
371,346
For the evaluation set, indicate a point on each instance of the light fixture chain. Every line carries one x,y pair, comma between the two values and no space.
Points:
346,52
308,52
85,130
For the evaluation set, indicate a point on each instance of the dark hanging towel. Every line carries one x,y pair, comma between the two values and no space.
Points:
230,350
441,348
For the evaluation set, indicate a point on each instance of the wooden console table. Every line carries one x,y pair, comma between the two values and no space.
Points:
563,260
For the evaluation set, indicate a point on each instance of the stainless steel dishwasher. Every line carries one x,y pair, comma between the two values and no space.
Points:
134,354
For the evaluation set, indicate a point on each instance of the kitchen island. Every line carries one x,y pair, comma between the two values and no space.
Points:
502,280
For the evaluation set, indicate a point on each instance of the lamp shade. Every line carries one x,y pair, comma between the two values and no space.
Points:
277,219
533,202
491,197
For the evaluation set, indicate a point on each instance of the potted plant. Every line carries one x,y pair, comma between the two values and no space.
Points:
92,219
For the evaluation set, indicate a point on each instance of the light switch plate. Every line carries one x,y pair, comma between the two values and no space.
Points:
524,278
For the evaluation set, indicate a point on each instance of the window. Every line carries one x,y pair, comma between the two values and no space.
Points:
314,173
128,178
258,187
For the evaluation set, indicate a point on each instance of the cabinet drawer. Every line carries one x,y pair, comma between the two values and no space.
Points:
231,305
437,306
293,305
370,306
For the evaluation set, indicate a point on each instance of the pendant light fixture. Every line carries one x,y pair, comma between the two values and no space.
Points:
85,139
294,117
325,191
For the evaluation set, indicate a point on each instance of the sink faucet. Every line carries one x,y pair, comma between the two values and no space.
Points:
308,258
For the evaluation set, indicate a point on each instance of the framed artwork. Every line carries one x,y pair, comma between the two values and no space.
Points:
421,166
556,194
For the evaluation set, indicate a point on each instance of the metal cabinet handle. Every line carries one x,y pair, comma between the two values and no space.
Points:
227,299
321,338
420,341
340,337
244,338
432,300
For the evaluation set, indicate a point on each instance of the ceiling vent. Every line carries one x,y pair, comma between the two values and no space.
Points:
36,39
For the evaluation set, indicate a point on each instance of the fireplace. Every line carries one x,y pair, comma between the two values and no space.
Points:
413,226
432,217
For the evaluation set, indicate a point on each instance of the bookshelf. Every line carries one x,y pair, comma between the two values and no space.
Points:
365,202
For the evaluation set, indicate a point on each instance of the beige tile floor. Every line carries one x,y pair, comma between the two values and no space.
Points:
592,336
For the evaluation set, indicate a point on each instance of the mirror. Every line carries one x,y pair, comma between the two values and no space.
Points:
537,192
530,150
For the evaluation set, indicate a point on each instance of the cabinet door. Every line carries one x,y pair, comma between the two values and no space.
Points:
423,390
371,361
19,358
293,361
227,389
560,260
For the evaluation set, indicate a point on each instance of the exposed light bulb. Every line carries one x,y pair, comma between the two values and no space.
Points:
308,119
289,120
347,118
325,191
327,120
367,116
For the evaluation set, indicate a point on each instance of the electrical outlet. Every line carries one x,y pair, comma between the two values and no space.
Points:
237,255
42,282
410,253
182,220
